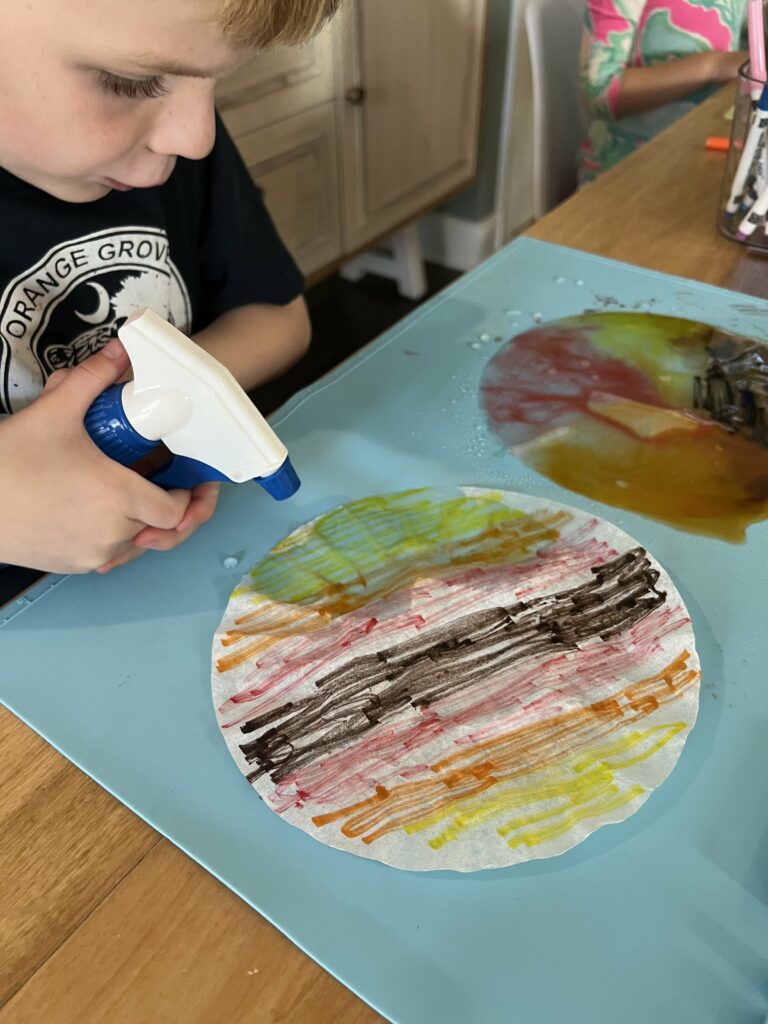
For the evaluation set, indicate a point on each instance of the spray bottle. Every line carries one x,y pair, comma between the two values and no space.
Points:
182,397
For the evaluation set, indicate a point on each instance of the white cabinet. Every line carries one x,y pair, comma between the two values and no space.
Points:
369,125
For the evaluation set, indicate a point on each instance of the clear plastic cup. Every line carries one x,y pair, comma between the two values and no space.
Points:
746,177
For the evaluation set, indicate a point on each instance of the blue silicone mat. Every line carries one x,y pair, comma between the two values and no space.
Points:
661,918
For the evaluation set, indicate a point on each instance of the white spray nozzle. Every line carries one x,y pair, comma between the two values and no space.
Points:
182,396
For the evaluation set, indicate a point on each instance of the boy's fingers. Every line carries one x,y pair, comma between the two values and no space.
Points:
85,382
156,507
123,559
161,540
55,379
199,511
201,507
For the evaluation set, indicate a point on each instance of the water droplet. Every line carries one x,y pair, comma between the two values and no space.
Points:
485,336
622,483
476,345
512,312
579,283
560,280
538,317
230,562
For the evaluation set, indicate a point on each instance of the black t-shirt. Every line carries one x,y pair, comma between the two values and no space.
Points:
194,248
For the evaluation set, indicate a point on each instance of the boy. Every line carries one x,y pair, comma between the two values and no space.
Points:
119,188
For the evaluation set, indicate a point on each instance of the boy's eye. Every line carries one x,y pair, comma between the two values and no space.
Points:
132,88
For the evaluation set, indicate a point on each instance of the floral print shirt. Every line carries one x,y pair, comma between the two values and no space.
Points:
620,34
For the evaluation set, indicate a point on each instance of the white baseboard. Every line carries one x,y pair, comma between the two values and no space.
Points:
456,243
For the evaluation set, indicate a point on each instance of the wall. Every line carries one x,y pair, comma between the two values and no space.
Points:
466,230
515,197
474,224
477,202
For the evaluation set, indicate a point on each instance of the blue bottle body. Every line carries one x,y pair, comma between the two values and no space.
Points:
112,432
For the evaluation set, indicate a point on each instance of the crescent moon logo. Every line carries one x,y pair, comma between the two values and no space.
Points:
102,310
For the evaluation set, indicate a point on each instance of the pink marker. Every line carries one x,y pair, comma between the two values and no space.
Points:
756,32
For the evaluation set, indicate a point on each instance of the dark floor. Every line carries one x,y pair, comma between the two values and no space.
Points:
345,316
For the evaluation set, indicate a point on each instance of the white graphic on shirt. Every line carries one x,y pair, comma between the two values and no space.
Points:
71,302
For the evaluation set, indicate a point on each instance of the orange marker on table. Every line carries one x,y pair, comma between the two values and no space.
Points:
719,143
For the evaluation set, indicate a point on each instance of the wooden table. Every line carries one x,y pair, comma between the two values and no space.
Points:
102,920
658,209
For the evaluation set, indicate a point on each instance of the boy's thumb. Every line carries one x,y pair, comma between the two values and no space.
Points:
85,382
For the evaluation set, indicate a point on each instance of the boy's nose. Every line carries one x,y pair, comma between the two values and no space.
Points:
186,125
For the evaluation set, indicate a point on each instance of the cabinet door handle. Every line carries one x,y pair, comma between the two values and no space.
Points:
355,96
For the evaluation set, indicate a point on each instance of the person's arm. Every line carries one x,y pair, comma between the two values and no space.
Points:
611,89
610,27
258,342
644,89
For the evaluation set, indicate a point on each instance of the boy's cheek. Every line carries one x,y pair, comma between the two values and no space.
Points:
68,138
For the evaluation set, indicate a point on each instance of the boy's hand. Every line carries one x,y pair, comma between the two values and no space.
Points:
200,509
66,506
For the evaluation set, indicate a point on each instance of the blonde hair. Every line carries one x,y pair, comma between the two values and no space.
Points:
262,23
